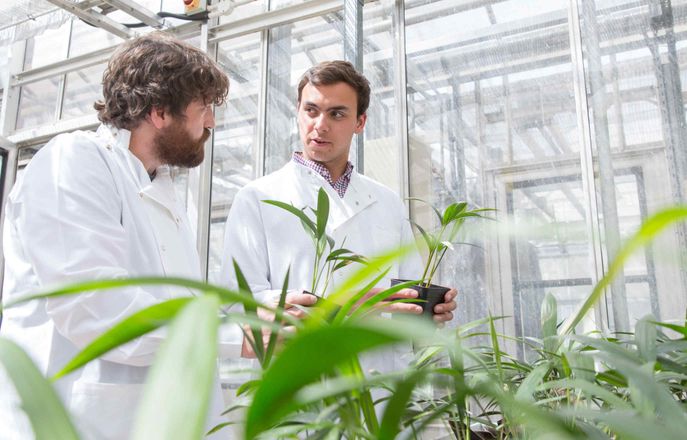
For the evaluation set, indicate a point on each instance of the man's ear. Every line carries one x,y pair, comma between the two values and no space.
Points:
360,124
159,117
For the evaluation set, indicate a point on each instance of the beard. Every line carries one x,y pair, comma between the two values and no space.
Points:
174,146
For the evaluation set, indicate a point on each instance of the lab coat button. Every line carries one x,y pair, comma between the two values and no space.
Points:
163,248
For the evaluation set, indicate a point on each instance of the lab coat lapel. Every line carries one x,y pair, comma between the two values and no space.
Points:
161,190
341,210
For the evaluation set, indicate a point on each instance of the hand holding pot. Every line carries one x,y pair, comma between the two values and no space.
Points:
295,302
443,312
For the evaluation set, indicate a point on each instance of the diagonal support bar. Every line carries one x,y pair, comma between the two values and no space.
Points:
94,18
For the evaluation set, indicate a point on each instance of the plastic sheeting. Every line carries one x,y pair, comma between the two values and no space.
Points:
22,19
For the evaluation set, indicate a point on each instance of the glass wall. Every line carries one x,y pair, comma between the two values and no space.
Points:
567,117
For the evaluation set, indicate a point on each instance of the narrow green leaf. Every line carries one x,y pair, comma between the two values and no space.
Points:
452,212
496,348
226,295
396,408
590,388
256,341
429,240
346,308
352,283
39,400
307,223
645,338
582,365
436,211
128,329
179,388
653,226
549,319
322,212
532,381
274,334
274,398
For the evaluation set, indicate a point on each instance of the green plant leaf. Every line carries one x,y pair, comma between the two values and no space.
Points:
429,240
47,415
177,394
322,212
645,338
226,295
274,334
549,319
496,349
436,211
452,212
396,407
307,223
531,382
126,330
582,365
256,341
274,398
346,308
653,226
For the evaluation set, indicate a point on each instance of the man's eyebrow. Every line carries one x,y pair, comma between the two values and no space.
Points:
336,107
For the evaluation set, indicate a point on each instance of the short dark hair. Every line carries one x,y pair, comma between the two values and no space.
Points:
157,70
332,72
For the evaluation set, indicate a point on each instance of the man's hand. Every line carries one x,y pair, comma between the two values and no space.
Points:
294,304
443,312
413,309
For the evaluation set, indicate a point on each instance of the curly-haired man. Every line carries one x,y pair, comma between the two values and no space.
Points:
99,205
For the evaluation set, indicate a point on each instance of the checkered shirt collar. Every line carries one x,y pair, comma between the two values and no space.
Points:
341,185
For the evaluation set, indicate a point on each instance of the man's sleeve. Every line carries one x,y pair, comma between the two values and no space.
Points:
68,221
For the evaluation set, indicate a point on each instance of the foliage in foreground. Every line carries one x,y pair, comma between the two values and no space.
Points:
630,386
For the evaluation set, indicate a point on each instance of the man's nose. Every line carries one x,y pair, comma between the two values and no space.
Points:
321,123
210,119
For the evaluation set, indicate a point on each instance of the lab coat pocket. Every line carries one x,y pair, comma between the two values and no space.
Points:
105,411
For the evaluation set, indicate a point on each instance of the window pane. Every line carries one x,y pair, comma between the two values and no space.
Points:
235,135
82,89
86,38
47,47
37,102
293,49
634,62
382,139
492,121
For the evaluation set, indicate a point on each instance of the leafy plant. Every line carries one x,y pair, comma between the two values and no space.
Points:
325,263
450,220
630,386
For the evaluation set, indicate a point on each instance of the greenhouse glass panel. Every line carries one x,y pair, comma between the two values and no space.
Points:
37,103
635,56
492,121
235,139
382,143
82,89
293,48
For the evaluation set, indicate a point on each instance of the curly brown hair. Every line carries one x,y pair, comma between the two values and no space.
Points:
331,72
157,70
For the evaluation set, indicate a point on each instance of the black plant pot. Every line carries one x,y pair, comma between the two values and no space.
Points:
430,296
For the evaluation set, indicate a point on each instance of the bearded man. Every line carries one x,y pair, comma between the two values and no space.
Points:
100,205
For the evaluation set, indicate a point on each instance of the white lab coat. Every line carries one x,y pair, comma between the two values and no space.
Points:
266,240
85,208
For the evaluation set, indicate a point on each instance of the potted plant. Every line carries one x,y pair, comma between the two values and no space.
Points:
325,263
450,220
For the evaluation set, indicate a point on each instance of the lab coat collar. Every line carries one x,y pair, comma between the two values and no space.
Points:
118,139
341,209
161,189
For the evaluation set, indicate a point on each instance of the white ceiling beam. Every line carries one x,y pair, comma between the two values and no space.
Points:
139,12
95,19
